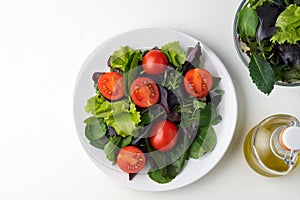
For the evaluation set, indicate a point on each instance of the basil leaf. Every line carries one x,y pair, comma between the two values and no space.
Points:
247,23
261,73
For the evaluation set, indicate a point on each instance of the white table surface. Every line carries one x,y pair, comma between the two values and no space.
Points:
42,47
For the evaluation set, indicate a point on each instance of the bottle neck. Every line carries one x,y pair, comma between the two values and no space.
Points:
289,156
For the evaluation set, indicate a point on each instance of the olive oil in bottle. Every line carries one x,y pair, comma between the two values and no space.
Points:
264,148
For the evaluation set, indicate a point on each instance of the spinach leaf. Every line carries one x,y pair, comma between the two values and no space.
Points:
131,71
209,116
100,144
247,23
204,143
112,148
169,165
261,73
95,128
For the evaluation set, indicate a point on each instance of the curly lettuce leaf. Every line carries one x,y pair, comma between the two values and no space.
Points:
174,53
123,118
121,58
288,24
121,115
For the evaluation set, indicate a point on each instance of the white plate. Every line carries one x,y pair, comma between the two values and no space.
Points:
148,38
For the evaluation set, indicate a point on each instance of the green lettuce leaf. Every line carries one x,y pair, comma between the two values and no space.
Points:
121,115
288,24
174,53
121,58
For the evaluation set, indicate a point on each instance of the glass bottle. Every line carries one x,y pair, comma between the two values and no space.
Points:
271,148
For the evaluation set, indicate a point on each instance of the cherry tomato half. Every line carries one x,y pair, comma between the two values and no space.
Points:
144,92
131,159
154,62
111,85
164,136
198,82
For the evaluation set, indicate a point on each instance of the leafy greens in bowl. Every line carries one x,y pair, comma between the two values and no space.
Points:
267,39
133,127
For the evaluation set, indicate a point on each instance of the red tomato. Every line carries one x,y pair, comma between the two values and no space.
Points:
131,159
198,82
154,62
164,135
144,92
111,85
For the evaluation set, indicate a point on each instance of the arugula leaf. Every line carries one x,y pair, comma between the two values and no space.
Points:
261,73
95,128
247,23
204,143
288,24
174,53
120,58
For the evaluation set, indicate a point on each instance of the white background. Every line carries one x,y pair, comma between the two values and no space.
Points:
42,47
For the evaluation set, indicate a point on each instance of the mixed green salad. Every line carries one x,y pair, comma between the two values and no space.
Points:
269,33
155,106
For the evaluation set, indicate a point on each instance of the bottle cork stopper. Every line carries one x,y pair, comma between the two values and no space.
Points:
290,138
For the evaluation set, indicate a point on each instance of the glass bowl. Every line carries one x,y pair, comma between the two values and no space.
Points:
243,56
